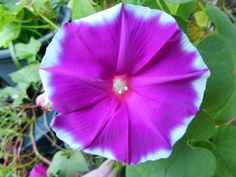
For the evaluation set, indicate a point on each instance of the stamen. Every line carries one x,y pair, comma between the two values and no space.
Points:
120,85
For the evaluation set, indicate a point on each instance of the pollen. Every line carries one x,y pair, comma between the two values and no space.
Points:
120,85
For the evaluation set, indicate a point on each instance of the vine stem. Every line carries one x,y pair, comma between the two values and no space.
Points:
117,167
37,27
48,21
44,159
13,56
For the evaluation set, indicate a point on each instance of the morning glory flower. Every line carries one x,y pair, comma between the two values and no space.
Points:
126,83
39,170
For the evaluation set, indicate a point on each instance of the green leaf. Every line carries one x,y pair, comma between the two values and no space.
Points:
151,3
201,128
67,164
224,145
10,13
5,2
185,10
178,1
148,3
10,32
148,169
28,51
57,3
27,75
201,18
228,112
17,94
172,8
44,7
37,4
221,85
181,23
80,8
5,17
189,161
13,92
185,161
225,29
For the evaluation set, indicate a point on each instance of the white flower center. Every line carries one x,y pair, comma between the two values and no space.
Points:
120,85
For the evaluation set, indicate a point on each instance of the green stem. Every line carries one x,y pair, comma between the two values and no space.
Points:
22,21
35,27
163,6
117,167
13,56
48,21
35,149
34,31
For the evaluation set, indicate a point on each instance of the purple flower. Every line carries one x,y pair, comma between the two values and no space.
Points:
126,83
39,170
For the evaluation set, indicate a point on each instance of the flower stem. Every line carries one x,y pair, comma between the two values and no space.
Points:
13,56
48,21
22,21
37,27
44,159
163,5
117,167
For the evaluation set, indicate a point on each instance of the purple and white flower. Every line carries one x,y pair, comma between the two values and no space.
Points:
126,83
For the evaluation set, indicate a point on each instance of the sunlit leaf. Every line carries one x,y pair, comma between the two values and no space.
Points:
81,8
10,32
67,164
27,75
201,19
178,1
28,51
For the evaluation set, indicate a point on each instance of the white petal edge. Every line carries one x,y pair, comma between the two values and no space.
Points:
66,137
179,131
102,17
199,86
45,78
146,13
51,57
101,152
161,153
189,47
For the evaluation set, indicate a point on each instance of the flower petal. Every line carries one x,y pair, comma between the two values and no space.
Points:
182,65
143,33
88,46
68,92
130,137
168,112
170,61
172,101
80,128
39,170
